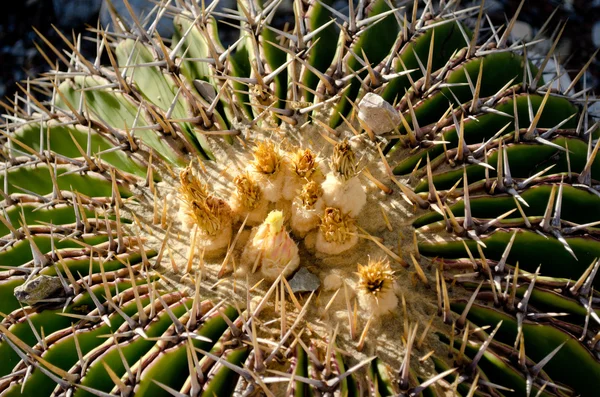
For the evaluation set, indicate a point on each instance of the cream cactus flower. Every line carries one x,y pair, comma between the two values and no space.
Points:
337,232
247,200
306,209
304,165
376,287
268,170
271,248
342,188
203,213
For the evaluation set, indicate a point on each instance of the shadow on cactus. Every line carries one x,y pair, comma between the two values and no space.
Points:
389,201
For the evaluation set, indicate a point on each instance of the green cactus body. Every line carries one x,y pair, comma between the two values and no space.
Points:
380,202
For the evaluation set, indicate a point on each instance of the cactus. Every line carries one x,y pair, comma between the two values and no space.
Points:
155,210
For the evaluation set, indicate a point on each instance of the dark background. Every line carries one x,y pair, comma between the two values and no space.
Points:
19,58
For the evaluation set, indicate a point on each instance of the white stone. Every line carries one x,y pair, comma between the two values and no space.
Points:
594,110
568,6
494,7
596,34
378,114
521,31
550,74
206,90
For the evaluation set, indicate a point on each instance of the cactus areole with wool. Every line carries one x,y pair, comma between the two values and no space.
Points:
383,201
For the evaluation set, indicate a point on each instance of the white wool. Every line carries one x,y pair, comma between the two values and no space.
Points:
272,269
311,240
385,302
210,245
240,272
187,222
349,196
334,248
291,185
172,198
283,206
270,184
255,217
332,282
213,245
304,220
255,302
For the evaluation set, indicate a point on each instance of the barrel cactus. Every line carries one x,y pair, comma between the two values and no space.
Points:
366,203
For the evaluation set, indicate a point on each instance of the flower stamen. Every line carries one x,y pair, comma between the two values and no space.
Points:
266,158
336,227
248,191
310,193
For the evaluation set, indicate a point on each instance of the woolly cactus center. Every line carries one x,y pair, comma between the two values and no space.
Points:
337,239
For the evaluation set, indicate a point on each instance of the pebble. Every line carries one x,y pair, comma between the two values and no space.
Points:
494,7
596,34
594,110
304,281
205,89
38,289
550,73
522,31
378,114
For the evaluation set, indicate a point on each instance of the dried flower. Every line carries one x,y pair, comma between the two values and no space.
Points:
211,214
336,227
191,187
337,232
304,163
311,192
343,160
342,188
266,158
376,287
248,191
